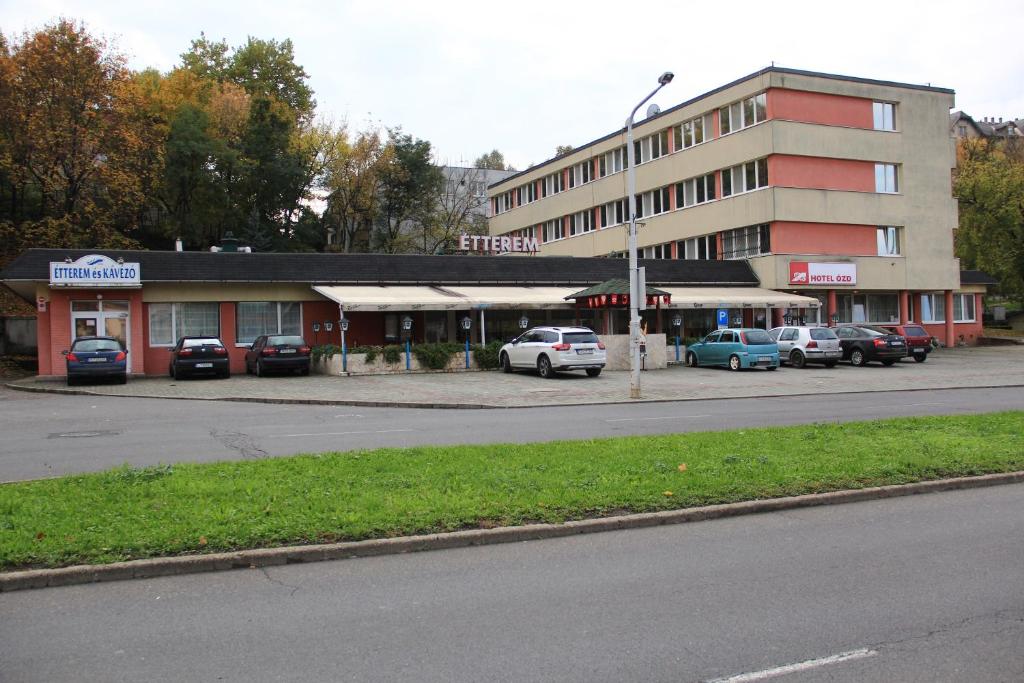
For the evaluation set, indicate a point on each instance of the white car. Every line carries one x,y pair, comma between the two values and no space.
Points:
549,349
799,346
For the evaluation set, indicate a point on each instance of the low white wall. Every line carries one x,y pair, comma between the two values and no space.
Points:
617,346
357,365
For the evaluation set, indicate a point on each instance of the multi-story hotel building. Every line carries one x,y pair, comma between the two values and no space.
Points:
833,187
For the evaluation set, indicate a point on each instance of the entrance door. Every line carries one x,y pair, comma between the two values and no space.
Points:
102,319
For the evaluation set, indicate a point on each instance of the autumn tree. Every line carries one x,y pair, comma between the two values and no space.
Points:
493,161
990,188
563,149
409,184
353,190
459,207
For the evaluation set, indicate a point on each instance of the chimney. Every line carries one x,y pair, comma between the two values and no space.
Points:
229,243
178,246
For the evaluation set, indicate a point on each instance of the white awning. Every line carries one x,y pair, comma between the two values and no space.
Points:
514,297
736,297
374,298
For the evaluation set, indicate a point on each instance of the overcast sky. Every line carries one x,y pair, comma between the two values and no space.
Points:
527,76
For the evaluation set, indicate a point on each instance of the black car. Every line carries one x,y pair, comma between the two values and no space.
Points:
96,358
199,356
277,352
862,344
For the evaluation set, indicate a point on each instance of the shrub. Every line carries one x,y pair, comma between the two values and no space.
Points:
485,356
435,356
392,354
324,351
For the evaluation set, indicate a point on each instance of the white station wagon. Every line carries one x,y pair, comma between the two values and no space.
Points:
549,349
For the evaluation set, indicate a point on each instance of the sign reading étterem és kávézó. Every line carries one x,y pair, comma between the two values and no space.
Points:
94,270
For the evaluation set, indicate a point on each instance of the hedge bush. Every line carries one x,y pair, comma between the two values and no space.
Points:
485,357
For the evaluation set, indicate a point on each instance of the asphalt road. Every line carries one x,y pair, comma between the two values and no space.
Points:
925,588
47,435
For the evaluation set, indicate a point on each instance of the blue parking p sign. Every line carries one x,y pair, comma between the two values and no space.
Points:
723,317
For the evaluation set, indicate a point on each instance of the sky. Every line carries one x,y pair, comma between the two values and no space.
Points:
527,76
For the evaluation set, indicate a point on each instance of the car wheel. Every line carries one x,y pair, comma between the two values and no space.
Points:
857,358
248,368
593,372
176,373
506,364
734,363
122,379
544,367
830,364
797,359
888,363
72,381
920,357
691,359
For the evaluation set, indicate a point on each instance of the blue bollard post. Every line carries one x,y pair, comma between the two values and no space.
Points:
408,363
467,352
344,358
677,348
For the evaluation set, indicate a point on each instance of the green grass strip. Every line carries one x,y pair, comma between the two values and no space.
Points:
131,513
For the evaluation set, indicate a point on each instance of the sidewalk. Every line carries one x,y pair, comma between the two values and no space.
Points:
945,368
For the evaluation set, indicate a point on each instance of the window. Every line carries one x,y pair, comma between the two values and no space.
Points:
933,308
695,191
888,240
745,177
704,248
753,240
865,308
167,322
581,173
739,115
553,230
256,318
884,115
886,179
963,308
581,222
661,251
613,213
692,132
554,183
612,162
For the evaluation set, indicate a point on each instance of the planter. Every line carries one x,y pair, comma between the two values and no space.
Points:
357,365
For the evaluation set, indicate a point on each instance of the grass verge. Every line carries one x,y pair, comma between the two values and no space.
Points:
132,513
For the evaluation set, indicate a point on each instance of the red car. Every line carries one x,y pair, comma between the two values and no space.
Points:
919,342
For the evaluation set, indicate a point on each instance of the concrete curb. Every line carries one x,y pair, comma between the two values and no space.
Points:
268,557
468,406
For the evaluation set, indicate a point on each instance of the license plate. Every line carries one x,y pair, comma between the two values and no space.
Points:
896,343
764,359
204,365
584,351
97,360
919,348
287,351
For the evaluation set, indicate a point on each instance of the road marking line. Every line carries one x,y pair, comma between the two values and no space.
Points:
798,667
908,405
379,431
667,417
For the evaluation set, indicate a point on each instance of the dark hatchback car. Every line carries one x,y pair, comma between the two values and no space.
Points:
199,356
277,353
862,344
96,358
919,342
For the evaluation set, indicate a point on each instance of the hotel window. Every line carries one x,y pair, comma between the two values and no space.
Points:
613,213
754,240
695,191
554,183
963,308
581,222
702,248
865,308
612,162
884,114
167,322
886,178
661,251
692,132
267,317
745,177
933,308
888,240
553,230
654,202
739,115
581,173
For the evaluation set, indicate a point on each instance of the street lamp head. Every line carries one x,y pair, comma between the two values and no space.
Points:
666,78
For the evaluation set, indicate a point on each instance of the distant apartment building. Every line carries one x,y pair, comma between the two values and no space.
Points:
832,187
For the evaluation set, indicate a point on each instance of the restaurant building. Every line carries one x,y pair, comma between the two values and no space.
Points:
831,187
148,299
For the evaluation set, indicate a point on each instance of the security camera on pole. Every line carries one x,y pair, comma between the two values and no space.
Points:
635,292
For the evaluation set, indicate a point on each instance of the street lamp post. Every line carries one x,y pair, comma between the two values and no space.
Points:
634,276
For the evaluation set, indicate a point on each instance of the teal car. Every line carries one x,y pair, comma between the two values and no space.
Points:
735,349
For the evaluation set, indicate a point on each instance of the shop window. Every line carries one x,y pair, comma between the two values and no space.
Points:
255,318
168,322
963,308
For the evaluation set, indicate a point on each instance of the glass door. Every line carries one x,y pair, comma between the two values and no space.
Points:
101,319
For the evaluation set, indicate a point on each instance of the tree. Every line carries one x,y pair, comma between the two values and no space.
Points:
990,187
563,149
493,161
353,189
458,208
409,184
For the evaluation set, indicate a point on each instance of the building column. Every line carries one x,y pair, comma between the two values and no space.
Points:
904,306
950,333
831,307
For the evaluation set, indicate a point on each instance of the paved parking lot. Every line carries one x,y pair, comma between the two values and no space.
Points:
945,368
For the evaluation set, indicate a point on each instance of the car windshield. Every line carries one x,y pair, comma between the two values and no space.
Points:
820,333
96,345
757,337
209,341
915,331
579,337
281,340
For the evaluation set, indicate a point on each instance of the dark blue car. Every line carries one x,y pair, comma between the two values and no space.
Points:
97,358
